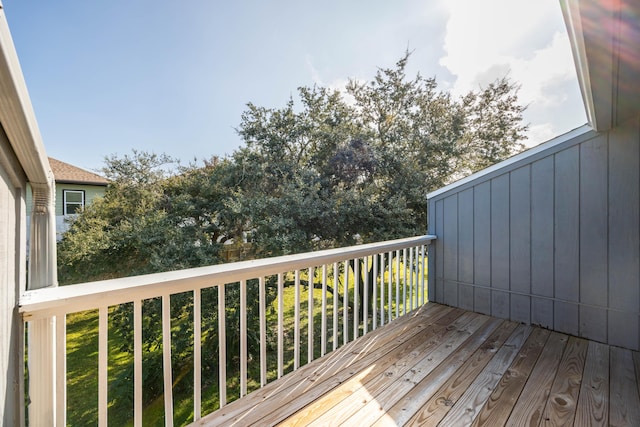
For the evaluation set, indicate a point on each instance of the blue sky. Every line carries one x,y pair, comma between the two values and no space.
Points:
106,77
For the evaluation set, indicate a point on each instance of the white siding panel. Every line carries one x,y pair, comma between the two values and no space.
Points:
12,252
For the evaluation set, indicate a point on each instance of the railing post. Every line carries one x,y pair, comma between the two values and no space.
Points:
47,334
42,381
41,336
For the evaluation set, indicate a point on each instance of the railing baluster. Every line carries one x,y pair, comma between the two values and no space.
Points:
166,360
263,332
323,332
310,316
417,275
404,281
345,304
103,353
416,280
397,284
365,297
356,264
61,370
137,363
390,297
356,307
280,324
243,338
416,271
378,267
222,346
197,355
375,294
422,274
41,339
336,301
411,278
296,322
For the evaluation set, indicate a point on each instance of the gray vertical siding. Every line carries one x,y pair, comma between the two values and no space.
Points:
465,249
520,244
482,247
549,238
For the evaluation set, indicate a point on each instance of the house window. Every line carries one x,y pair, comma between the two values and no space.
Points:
73,201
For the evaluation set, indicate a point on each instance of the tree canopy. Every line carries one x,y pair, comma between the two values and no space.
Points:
327,169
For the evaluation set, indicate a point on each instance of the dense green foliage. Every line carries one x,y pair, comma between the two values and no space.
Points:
331,169
328,169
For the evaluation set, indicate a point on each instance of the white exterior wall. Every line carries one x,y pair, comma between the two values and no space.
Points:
12,284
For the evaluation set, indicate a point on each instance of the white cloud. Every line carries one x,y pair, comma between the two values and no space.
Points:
527,40
539,134
339,84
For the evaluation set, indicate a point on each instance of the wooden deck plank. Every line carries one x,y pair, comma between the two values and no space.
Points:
310,389
624,401
399,407
434,409
445,366
376,376
593,403
531,403
561,406
469,405
347,358
498,407
367,398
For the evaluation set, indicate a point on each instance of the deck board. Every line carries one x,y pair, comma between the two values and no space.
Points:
625,405
593,404
376,377
409,367
497,409
533,399
474,398
445,366
437,407
349,359
562,403
421,372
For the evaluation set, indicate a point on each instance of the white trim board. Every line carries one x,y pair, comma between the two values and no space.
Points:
575,133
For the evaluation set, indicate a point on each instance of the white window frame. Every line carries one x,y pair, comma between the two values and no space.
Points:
65,203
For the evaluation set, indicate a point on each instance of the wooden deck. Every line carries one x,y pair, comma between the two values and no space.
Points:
445,366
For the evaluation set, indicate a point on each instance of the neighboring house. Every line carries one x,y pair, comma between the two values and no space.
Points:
75,189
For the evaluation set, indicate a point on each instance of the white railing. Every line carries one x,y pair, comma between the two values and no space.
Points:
390,275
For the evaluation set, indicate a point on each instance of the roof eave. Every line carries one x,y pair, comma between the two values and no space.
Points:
603,38
16,113
75,182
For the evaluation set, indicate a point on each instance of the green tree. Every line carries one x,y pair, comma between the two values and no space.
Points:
325,172
158,216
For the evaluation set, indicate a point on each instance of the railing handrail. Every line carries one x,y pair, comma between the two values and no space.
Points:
84,296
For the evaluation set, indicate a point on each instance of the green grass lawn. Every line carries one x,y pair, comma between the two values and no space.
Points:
82,362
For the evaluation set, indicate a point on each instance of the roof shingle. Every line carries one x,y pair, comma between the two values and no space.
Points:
66,173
